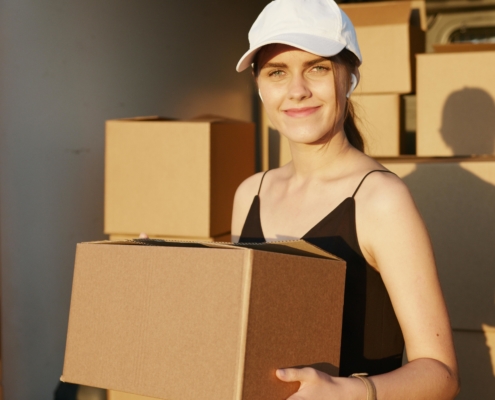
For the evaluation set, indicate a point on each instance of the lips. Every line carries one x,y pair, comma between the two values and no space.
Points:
301,112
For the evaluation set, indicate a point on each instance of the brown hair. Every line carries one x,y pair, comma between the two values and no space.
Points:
344,64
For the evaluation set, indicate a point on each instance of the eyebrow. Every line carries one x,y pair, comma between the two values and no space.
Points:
306,64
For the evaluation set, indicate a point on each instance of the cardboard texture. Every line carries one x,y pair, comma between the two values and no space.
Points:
205,320
456,104
221,238
456,198
175,178
389,39
475,364
379,120
115,395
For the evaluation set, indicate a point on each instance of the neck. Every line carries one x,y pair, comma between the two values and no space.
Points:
321,159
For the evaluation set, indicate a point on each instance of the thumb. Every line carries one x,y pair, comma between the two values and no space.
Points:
296,374
143,235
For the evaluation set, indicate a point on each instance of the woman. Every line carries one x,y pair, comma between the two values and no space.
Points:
305,60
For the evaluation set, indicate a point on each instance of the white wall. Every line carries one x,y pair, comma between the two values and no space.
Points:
66,67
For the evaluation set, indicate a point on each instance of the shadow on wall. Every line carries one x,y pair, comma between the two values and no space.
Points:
457,202
468,122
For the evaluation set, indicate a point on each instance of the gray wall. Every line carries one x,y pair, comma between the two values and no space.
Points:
66,67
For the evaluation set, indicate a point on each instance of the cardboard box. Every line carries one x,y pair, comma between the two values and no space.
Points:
175,178
202,321
389,39
221,238
475,365
456,106
114,395
379,120
456,197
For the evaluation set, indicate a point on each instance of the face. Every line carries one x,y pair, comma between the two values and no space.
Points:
298,92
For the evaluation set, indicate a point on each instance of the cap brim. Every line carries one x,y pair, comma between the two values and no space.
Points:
313,44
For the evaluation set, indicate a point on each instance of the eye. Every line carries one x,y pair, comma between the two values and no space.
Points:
276,73
320,68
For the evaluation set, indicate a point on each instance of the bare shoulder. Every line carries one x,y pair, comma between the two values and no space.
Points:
249,187
383,191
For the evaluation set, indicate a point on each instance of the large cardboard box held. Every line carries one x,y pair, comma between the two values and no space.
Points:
456,103
456,197
389,39
175,178
202,321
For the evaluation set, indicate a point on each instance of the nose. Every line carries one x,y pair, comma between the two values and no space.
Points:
298,89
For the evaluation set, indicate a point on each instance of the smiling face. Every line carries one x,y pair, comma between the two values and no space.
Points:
299,94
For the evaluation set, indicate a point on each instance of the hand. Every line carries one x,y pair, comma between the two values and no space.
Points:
316,385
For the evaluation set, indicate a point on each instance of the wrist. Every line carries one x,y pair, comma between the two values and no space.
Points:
356,389
367,383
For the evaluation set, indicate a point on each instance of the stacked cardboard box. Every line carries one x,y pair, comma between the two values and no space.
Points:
455,118
390,34
456,197
174,179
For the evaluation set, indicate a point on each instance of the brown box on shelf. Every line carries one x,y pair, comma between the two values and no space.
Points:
389,39
143,318
456,198
379,120
456,102
175,178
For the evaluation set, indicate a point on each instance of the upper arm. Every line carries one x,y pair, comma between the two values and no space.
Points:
396,242
242,202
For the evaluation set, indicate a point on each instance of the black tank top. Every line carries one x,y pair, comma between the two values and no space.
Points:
372,340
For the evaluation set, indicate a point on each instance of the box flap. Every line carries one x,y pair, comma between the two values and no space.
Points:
291,247
463,47
370,14
145,118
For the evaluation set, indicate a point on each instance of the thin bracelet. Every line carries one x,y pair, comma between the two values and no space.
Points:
370,386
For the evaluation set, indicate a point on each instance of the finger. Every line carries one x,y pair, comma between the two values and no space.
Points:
143,235
296,374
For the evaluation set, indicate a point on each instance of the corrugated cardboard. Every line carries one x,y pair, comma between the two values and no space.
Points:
379,120
115,395
475,366
202,321
175,178
456,104
389,39
221,238
456,198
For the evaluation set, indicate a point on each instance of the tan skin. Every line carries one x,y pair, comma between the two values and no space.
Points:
298,91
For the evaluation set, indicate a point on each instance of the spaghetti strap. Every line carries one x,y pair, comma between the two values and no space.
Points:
261,183
362,180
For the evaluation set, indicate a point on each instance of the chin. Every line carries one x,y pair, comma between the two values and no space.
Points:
307,134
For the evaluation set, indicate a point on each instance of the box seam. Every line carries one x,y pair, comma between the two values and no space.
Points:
246,295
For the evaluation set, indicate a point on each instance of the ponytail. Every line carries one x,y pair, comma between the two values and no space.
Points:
351,130
345,63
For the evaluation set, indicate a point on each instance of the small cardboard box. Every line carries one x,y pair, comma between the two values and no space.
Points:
188,321
175,178
456,102
389,39
379,120
456,197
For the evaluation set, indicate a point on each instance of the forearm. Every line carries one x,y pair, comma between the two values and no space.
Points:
424,378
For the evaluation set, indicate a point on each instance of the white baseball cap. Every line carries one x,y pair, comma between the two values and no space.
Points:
316,26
